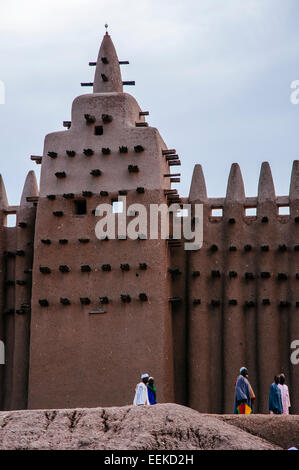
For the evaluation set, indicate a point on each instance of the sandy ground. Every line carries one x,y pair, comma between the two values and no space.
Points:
165,426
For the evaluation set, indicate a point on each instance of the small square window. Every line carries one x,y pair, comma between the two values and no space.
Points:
284,210
250,211
217,212
11,220
117,207
80,207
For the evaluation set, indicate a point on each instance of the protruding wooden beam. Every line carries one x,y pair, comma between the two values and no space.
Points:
172,157
169,175
32,199
106,118
130,83
170,191
86,83
67,124
138,148
37,159
175,163
123,62
92,312
174,299
168,152
90,119
11,210
133,168
141,124
143,113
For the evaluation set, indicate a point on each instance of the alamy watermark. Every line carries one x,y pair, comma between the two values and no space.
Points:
295,354
155,221
294,97
2,353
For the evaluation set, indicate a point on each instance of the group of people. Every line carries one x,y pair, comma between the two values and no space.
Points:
279,399
145,392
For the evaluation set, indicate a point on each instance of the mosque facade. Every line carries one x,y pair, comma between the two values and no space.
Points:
83,315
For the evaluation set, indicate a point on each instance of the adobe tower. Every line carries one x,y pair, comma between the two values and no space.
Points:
100,310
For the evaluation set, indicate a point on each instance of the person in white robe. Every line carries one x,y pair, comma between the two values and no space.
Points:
285,397
141,393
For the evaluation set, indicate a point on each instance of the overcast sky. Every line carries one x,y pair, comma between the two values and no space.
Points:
214,74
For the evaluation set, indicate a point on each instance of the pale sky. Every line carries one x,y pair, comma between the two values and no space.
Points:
214,74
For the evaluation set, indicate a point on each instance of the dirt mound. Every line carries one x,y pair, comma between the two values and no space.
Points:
280,430
158,427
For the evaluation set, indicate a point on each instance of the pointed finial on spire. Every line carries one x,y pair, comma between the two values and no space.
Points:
30,188
235,187
107,77
3,195
198,191
294,186
266,190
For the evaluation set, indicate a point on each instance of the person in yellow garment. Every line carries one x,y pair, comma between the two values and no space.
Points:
141,393
243,394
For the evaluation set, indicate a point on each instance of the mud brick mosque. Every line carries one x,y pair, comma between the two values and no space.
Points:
82,317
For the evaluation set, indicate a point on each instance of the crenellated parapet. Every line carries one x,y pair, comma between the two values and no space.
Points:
251,305
236,193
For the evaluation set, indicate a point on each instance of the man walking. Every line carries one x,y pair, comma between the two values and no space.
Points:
152,392
275,403
243,394
141,393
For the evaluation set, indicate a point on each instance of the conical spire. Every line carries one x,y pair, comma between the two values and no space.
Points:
235,187
294,186
198,191
266,190
3,196
30,188
107,75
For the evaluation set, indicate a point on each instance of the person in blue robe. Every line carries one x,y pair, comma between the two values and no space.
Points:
242,390
275,402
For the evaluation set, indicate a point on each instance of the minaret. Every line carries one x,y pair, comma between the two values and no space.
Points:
100,309
107,75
